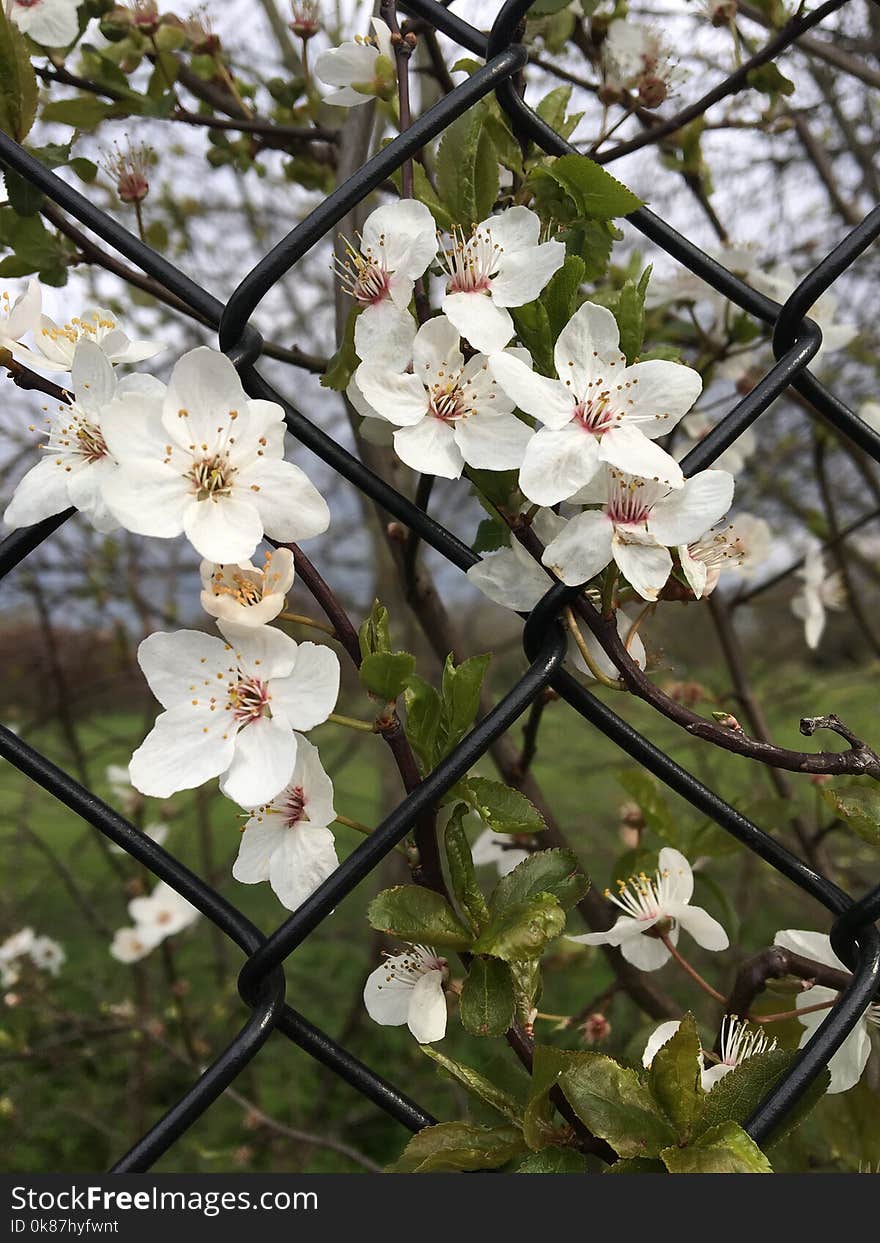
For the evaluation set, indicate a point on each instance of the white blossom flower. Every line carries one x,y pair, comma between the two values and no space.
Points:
51,23
162,913
820,591
408,988
47,954
851,1058
638,523
245,594
288,841
132,944
697,425
398,243
502,264
739,1042
500,849
515,580
57,344
14,946
637,58
77,462
449,413
598,410
18,318
359,69
741,546
208,461
664,900
231,709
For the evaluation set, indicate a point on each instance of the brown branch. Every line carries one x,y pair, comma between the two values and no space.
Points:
25,378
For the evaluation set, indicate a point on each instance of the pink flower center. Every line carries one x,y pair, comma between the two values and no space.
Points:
472,262
629,502
447,403
294,807
595,415
249,700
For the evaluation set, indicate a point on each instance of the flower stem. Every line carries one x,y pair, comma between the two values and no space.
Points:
585,652
366,831
692,971
302,620
367,727
791,1014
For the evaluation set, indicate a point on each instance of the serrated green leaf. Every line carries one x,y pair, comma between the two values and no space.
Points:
614,1103
725,1149
343,363
859,808
418,915
548,1063
736,1096
374,634
18,82
552,109
630,316
460,692
492,534
556,872
554,1160
456,167
453,1146
422,723
487,1000
462,878
674,1078
503,809
591,190
24,198
533,329
478,1085
86,112
560,297
486,175
522,930
770,80
386,674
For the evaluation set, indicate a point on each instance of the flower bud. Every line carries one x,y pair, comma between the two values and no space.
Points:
595,1028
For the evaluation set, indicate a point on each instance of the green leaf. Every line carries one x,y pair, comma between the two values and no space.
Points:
452,1146
859,808
522,930
591,241
418,915
462,878
457,159
674,1078
560,297
554,1160
556,872
487,1000
548,1063
552,109
533,329
343,364
18,82
374,634
486,175
478,1085
84,169
636,1165
492,534
424,191
591,190
630,315
386,674
546,8
658,816
736,1097
770,80
422,724
24,199
86,112
502,808
617,1106
726,1149
460,690
498,486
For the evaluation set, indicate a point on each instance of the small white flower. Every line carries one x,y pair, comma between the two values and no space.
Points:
502,264
663,900
637,58
47,954
163,913
360,69
208,461
19,943
851,1058
398,243
696,427
245,594
500,849
408,988
449,413
638,523
515,580
57,343
598,410
18,318
820,591
231,709
77,462
287,841
739,1042
741,546
132,944
51,23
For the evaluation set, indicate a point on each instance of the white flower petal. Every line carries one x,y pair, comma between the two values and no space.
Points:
492,441
660,1036
262,836
588,348
180,666
486,326
815,945
558,463
289,505
223,530
39,494
705,930
522,276
304,860
582,549
398,397
627,448
427,1014
687,513
265,752
185,748
430,447
383,335
535,394
386,997
644,564
661,393
308,696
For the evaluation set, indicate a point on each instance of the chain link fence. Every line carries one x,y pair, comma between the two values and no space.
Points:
796,340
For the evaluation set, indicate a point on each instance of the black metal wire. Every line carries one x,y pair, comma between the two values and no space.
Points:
796,339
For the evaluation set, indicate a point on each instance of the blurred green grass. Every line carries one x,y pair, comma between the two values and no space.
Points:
77,1090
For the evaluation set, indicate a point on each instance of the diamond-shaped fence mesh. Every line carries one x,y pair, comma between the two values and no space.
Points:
795,341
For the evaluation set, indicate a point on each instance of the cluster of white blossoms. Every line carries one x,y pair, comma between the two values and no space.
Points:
51,23
161,914
25,945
